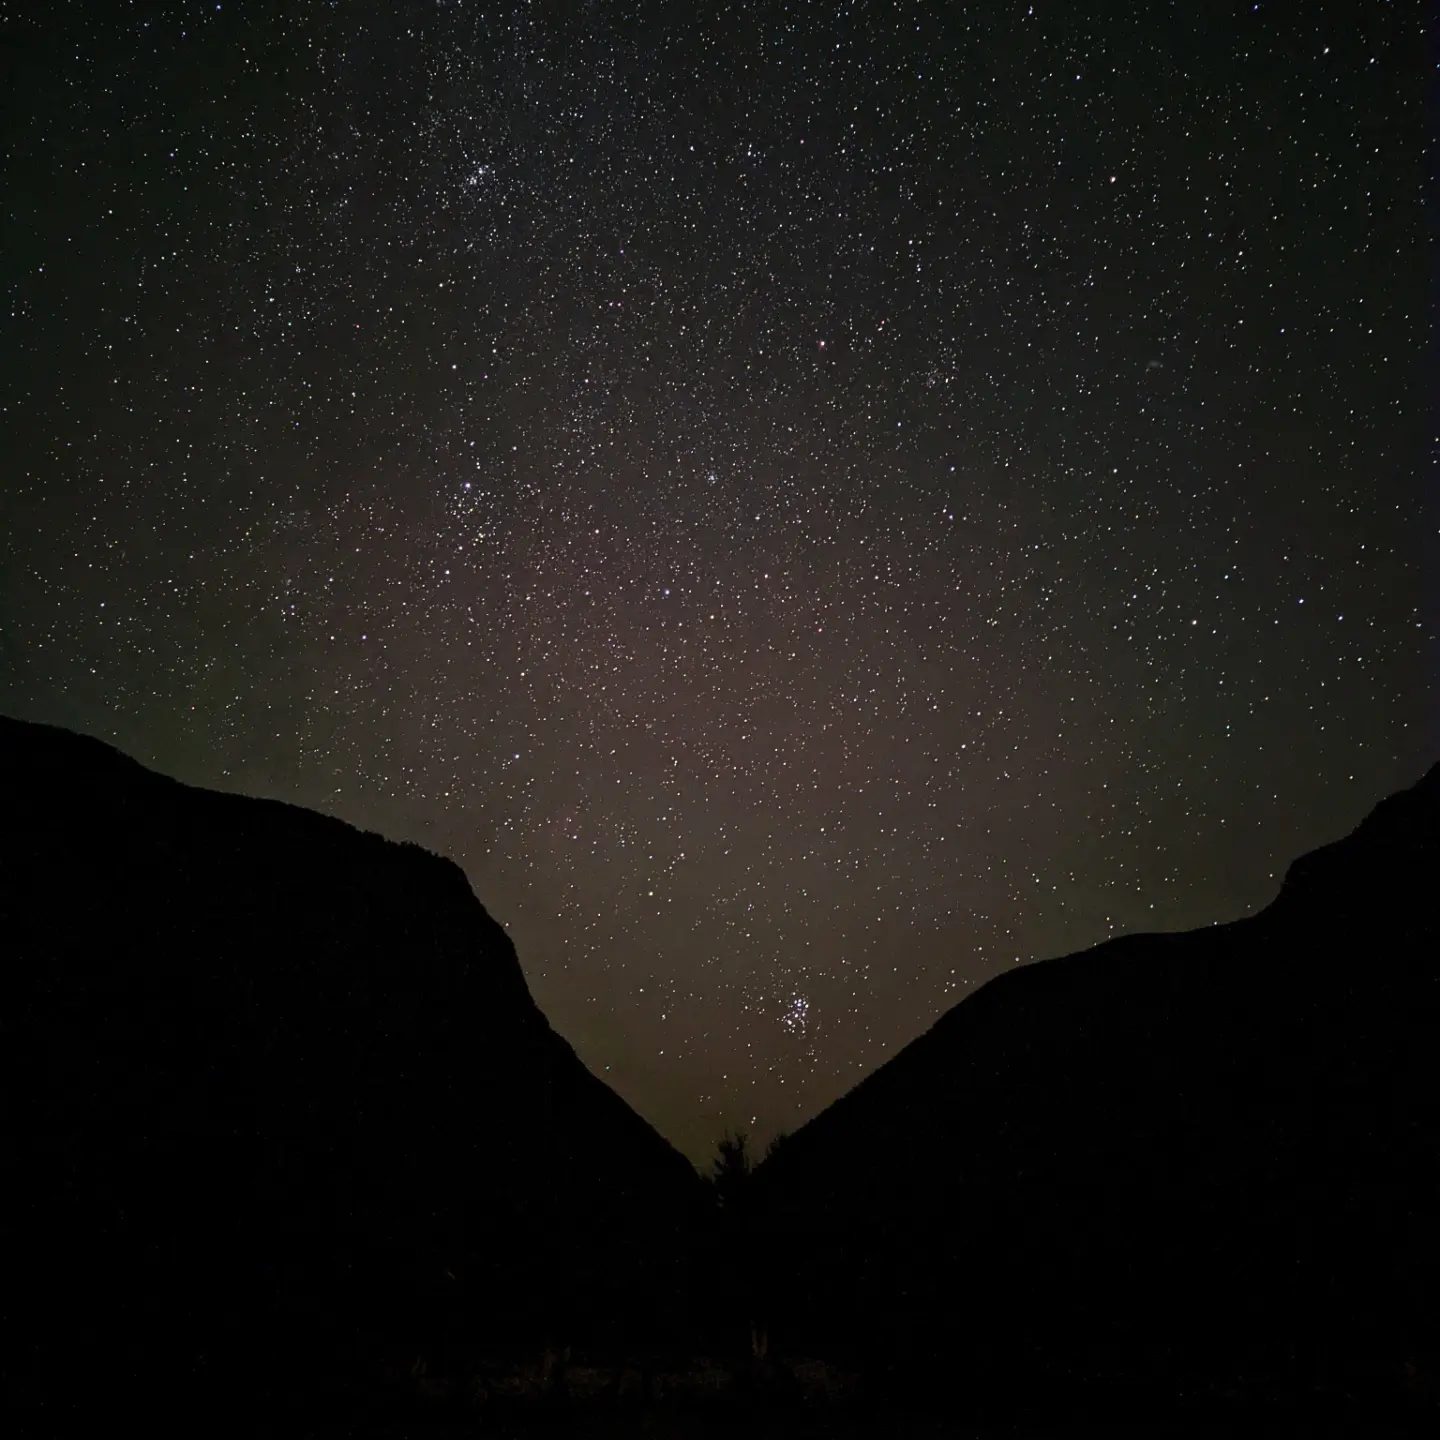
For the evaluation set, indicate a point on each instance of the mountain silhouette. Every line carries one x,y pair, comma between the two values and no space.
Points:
1180,1167
280,1109
281,1115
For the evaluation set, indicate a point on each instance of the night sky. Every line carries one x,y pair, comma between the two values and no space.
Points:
811,506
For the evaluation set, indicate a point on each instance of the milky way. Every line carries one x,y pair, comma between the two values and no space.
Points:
811,506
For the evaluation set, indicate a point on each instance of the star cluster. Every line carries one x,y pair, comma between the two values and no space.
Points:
811,504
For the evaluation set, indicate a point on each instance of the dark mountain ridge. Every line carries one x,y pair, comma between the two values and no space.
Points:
1192,1163
279,1104
283,1113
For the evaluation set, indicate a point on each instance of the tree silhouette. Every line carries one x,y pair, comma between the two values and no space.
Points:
731,1283
731,1169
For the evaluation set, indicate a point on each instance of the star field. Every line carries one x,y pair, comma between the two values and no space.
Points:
810,505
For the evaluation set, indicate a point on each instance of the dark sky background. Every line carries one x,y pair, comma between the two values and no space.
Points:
811,505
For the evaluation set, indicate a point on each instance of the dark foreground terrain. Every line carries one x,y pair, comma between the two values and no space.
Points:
884,1426
1201,1168
290,1150
280,1108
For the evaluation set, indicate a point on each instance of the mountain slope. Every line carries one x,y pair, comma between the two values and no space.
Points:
278,1101
1192,1162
